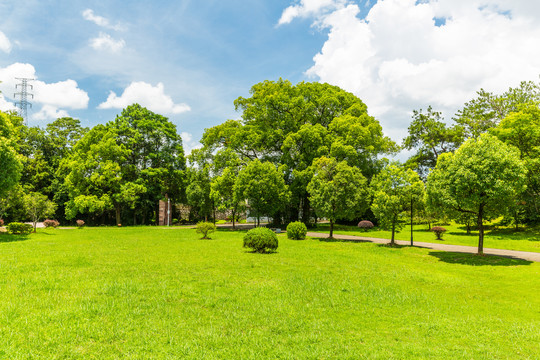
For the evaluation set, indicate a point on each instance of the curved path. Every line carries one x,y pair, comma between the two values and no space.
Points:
523,255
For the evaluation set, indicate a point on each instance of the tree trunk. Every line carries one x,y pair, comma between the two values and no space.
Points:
134,217
481,230
233,218
331,236
411,221
214,211
305,210
118,219
393,242
34,222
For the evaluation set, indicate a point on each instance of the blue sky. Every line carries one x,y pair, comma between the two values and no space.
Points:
189,60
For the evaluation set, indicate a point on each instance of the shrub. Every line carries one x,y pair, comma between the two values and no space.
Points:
365,225
438,230
296,230
18,228
205,228
80,223
1,222
261,240
51,223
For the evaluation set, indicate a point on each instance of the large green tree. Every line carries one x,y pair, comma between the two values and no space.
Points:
10,161
337,190
482,178
394,191
293,125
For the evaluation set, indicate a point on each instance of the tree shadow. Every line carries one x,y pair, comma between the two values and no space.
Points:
326,239
477,260
6,238
393,246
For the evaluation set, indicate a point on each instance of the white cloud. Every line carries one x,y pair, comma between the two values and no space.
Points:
188,143
106,42
310,8
5,44
397,59
101,21
49,112
6,105
54,97
152,97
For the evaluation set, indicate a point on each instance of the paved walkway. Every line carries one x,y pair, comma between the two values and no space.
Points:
523,255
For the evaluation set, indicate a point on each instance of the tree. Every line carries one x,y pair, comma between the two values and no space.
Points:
337,190
430,137
293,125
394,191
222,192
38,207
483,178
262,185
522,130
198,193
10,161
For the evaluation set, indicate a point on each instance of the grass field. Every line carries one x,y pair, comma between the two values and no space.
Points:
157,293
525,239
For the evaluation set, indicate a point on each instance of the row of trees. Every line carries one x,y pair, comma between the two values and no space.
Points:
298,152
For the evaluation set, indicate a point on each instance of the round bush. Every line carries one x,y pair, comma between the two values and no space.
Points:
438,230
1,222
365,225
296,230
51,223
205,228
17,228
80,223
261,240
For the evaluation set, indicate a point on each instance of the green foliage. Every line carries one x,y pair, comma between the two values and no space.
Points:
262,185
17,228
394,189
430,137
482,178
10,161
261,240
337,190
205,228
296,230
38,207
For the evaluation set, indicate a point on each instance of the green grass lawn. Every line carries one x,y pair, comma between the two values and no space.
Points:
525,239
158,293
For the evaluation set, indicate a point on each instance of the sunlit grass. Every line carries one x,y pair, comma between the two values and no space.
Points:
157,293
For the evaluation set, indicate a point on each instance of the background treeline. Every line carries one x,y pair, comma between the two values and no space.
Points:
298,152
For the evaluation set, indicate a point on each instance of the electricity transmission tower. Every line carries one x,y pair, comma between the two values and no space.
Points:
23,102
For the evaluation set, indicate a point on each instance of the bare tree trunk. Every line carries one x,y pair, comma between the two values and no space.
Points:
118,219
393,242
331,236
481,230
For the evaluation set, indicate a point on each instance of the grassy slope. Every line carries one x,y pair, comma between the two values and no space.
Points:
161,293
524,240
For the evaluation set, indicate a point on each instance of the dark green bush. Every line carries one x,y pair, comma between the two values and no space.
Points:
205,228
296,230
261,240
17,228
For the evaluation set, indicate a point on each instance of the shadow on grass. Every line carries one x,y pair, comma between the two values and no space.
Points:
326,239
477,260
260,253
6,238
393,246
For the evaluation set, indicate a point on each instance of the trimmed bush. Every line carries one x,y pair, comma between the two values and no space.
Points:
438,230
80,223
261,240
1,222
296,230
51,223
17,228
205,228
365,225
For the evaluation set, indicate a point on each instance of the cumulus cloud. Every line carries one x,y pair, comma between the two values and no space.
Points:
48,112
142,93
409,54
53,97
310,8
101,21
188,143
5,44
106,42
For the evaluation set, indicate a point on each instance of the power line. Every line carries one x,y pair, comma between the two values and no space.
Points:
23,103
